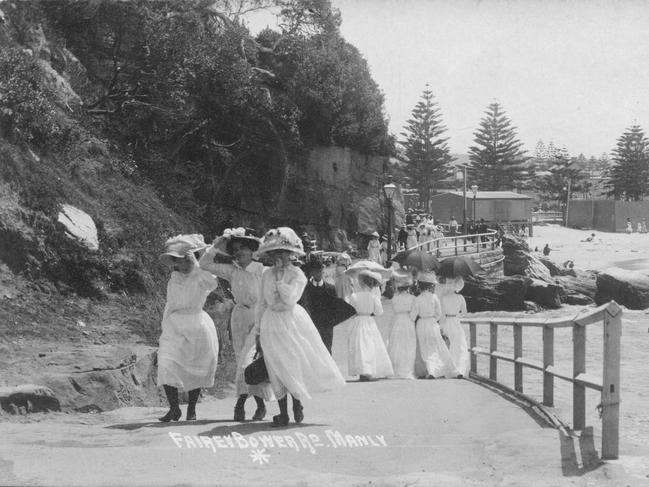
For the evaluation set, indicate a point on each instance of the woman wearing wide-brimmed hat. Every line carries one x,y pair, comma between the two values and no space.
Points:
189,346
402,343
298,362
244,276
374,248
434,357
367,356
343,283
454,307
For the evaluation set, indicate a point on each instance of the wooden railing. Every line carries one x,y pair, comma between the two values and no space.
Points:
459,244
610,315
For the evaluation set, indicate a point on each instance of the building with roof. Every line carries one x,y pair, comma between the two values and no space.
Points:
494,206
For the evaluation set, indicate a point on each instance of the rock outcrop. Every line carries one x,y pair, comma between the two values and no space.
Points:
28,398
495,294
629,288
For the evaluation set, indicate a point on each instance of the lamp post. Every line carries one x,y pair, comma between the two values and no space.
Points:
567,190
474,188
388,190
458,175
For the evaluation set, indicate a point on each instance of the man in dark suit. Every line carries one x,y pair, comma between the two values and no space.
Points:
325,308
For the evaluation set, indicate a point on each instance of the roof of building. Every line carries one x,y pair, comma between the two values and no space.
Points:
490,195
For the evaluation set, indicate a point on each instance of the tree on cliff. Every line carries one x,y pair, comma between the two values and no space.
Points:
564,173
497,159
629,175
426,151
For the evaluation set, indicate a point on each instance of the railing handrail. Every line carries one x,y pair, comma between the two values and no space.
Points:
610,315
491,233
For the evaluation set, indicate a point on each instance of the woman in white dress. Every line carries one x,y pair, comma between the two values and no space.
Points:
453,307
427,312
367,356
297,360
374,249
189,346
344,284
412,237
244,276
402,344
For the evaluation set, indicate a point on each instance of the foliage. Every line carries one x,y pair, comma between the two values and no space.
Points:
497,159
211,114
426,151
565,175
629,176
27,112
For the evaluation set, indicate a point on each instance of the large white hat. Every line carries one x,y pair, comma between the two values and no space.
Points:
371,274
428,277
179,245
281,238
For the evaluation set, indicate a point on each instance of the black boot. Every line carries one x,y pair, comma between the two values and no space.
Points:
260,413
174,413
282,418
298,410
192,397
239,411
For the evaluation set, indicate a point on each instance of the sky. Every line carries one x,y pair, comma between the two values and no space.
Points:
572,72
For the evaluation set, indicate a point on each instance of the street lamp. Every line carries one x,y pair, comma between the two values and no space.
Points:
567,190
388,190
462,175
474,188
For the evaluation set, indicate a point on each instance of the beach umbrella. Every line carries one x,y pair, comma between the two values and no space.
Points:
420,259
368,265
460,265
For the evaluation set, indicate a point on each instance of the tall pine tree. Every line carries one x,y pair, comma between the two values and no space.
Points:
497,159
629,175
426,151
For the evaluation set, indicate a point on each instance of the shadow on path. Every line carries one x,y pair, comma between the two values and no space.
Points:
578,453
248,428
158,424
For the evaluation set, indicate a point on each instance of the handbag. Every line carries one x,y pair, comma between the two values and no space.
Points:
256,372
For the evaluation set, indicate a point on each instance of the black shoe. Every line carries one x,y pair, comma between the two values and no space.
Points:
459,376
172,415
191,414
298,414
280,420
260,414
430,376
239,413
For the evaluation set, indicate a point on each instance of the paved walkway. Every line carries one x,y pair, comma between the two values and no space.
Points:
386,433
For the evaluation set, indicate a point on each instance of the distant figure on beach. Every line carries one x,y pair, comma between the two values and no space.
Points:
546,250
643,228
629,226
453,226
589,238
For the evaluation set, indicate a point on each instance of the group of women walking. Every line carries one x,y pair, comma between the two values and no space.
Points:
267,319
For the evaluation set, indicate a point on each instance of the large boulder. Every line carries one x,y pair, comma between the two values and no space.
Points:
544,294
79,225
520,261
28,398
629,288
495,294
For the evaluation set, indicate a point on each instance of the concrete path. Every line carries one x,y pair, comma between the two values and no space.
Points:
386,433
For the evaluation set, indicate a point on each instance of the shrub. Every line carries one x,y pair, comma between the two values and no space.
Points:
27,113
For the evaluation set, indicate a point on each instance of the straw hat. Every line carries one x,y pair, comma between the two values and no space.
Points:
344,259
375,234
179,245
371,274
281,238
428,277
240,234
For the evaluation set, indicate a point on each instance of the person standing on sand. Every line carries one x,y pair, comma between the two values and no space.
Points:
189,346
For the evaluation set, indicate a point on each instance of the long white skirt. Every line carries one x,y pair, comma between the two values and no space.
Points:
243,343
366,352
432,349
402,346
188,352
457,344
298,362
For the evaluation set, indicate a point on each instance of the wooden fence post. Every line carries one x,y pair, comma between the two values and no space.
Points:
578,367
518,353
548,360
473,341
493,346
611,383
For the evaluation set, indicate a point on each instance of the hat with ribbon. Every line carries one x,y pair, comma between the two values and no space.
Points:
180,245
281,238
344,259
428,277
243,235
372,275
375,234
